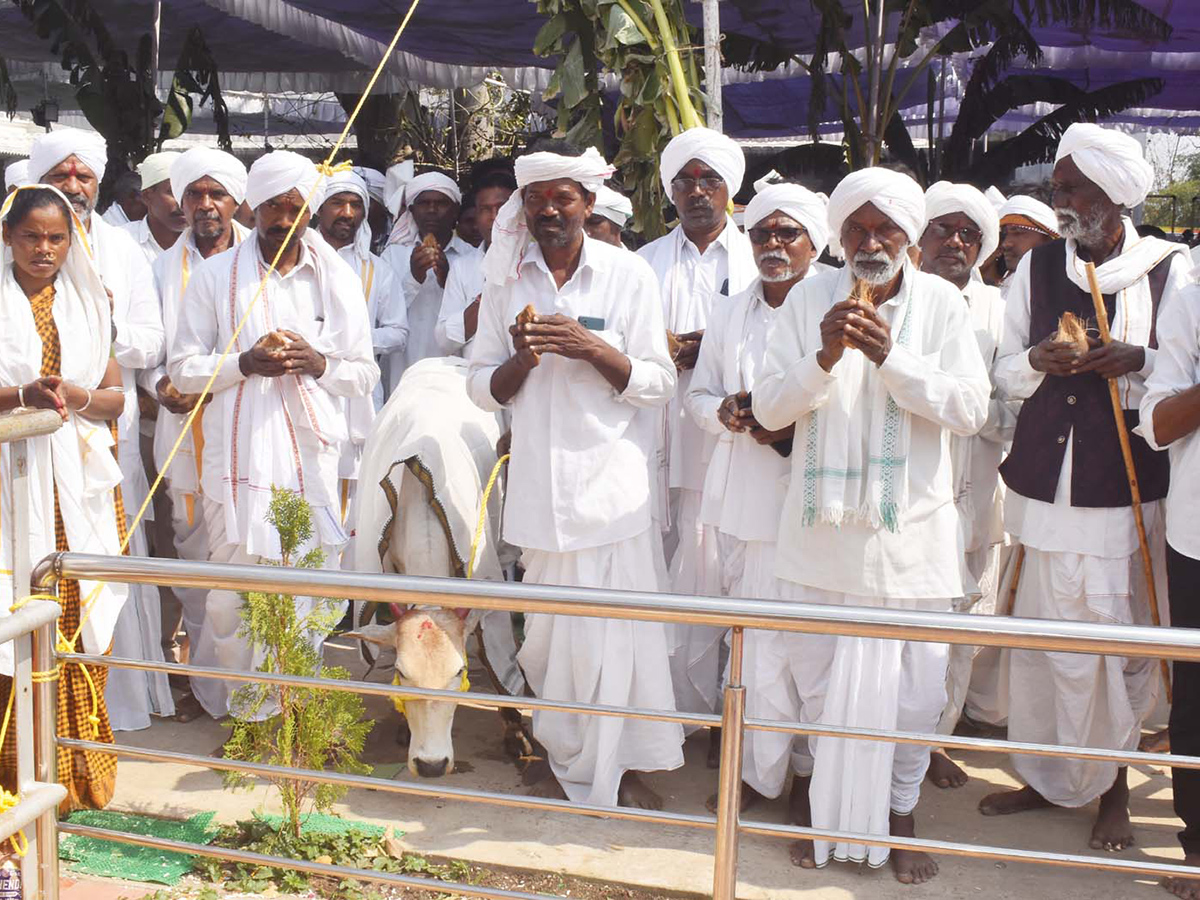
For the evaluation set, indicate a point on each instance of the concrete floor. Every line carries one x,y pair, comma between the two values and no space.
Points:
667,859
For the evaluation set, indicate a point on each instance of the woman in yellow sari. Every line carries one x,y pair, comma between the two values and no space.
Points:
55,354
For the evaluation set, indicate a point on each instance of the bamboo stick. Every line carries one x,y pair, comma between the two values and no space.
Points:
1127,452
1018,564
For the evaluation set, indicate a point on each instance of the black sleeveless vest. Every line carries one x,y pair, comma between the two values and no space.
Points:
1078,408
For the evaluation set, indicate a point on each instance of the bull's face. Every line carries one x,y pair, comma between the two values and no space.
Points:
430,653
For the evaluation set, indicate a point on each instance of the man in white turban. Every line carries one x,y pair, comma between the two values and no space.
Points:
277,417
422,249
576,376
962,233
459,315
341,220
700,264
16,175
207,186
611,214
876,365
1068,499
74,162
788,228
164,221
1025,223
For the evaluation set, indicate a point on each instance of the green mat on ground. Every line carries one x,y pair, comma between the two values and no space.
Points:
112,859
319,823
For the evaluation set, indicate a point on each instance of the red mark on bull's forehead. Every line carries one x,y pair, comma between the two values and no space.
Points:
425,626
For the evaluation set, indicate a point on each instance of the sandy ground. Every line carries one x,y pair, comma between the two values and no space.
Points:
666,860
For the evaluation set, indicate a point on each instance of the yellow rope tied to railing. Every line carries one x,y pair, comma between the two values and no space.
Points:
325,169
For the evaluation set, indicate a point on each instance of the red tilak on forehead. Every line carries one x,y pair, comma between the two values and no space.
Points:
696,171
73,171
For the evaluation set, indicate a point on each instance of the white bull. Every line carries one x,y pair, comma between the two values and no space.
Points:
424,468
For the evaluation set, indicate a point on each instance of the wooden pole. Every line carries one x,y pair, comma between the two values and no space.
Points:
1018,564
1127,452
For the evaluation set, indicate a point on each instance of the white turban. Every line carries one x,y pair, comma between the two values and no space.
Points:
156,168
1112,159
945,198
375,181
405,229
895,195
205,162
348,183
995,197
720,153
1022,210
397,177
16,174
277,173
795,201
510,234
613,205
53,147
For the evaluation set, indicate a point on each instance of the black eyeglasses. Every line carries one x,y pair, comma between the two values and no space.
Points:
709,184
968,236
762,236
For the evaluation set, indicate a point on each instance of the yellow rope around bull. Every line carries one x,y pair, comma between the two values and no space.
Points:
325,169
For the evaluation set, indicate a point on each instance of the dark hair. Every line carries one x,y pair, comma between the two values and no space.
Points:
27,200
128,182
497,178
560,146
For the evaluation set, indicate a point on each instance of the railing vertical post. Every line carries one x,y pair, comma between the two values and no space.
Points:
45,697
729,789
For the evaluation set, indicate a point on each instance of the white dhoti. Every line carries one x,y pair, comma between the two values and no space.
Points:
695,570
771,674
1076,699
133,696
983,565
220,643
987,699
610,662
867,683
190,537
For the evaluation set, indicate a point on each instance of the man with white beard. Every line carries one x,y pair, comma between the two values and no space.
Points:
1069,500
876,365
208,185
700,264
74,161
788,227
277,418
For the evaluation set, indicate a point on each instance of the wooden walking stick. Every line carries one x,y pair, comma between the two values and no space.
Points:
1127,452
1018,564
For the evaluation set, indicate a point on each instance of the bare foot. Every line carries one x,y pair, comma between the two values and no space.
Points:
188,708
750,798
713,760
910,866
547,787
636,794
1113,831
801,851
1186,888
945,772
1005,803
1159,742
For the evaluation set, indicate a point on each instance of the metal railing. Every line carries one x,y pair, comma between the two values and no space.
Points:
735,614
31,629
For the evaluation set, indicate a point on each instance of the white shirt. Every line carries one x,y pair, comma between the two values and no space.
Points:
743,494
579,474
139,342
692,284
115,216
464,285
140,232
204,329
424,302
940,379
385,307
1060,527
1176,369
